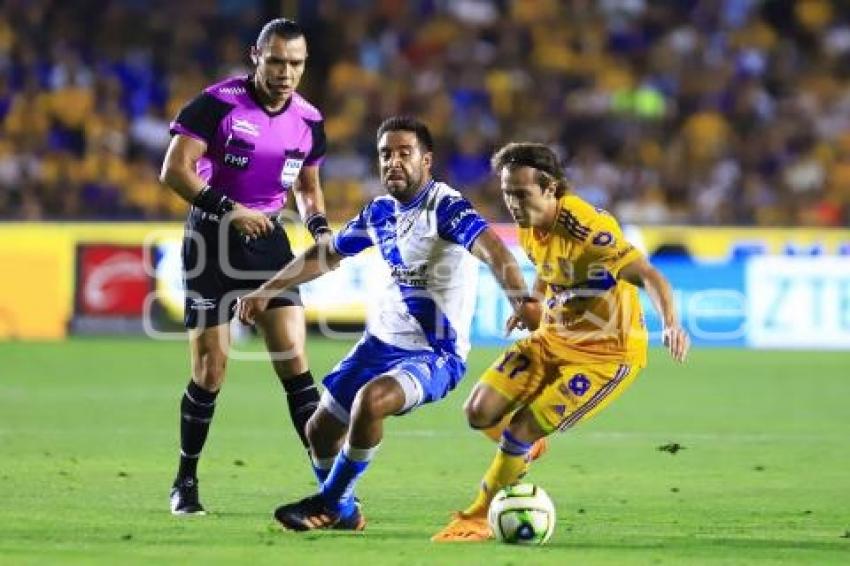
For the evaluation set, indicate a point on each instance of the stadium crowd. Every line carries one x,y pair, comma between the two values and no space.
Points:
695,111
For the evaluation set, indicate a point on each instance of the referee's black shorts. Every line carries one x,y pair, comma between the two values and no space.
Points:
220,265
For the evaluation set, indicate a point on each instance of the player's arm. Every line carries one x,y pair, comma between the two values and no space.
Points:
179,174
539,288
192,130
323,256
309,197
310,201
178,167
641,273
317,260
490,249
515,322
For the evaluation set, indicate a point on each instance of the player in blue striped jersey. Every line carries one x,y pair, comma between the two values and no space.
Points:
415,346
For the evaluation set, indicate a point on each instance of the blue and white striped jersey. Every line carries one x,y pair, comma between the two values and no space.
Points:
428,302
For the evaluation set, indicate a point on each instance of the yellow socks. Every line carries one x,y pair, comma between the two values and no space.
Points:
505,469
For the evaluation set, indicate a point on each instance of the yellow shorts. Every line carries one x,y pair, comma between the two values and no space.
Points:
559,393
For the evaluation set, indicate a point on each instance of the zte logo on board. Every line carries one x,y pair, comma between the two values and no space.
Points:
237,161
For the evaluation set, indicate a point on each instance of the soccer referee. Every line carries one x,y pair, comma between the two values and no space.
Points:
237,151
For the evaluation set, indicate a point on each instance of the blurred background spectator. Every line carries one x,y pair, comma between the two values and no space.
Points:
695,111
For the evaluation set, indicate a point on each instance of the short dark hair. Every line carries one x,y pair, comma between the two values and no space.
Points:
408,124
281,27
538,156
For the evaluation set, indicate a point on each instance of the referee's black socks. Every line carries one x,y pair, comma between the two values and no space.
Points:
302,396
196,412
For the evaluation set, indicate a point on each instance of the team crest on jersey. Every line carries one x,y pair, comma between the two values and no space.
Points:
579,384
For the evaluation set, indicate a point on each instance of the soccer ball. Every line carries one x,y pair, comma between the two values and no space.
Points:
522,514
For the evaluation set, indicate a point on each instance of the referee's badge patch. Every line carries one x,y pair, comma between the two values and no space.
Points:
289,173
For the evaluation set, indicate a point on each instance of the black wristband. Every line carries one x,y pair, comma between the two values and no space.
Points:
211,201
317,224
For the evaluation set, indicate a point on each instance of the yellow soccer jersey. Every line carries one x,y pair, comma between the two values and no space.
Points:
589,315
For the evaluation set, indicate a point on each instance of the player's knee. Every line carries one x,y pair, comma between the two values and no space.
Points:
313,431
477,414
371,402
209,371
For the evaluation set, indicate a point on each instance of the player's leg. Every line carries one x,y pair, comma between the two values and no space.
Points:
406,382
497,394
511,460
577,394
206,319
507,467
329,424
284,333
282,324
509,383
339,402
325,433
334,505
378,399
486,408
209,347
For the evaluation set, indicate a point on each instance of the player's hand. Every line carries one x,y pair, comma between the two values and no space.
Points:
252,304
249,222
677,341
526,317
513,323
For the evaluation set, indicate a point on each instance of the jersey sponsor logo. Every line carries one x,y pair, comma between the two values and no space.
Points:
410,276
233,141
603,239
236,161
289,173
245,127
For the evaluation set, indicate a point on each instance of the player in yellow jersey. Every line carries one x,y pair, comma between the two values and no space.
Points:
591,341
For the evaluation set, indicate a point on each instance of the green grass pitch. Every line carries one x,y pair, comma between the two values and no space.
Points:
88,445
